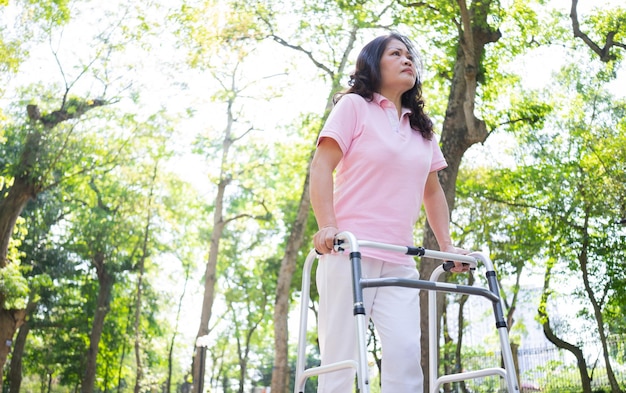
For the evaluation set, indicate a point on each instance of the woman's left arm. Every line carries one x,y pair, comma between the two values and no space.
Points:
438,215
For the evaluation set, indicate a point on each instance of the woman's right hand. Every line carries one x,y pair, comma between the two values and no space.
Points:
324,239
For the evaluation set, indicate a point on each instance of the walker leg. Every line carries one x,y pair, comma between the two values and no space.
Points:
361,319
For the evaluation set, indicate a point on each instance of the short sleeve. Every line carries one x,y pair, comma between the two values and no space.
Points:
438,161
341,124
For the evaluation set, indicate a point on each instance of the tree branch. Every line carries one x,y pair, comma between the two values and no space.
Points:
72,109
419,4
604,52
306,52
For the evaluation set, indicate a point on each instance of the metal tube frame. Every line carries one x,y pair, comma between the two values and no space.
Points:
345,241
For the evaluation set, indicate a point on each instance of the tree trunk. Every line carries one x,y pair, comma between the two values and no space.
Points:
460,327
10,321
280,373
597,307
138,363
219,223
170,353
512,307
142,268
120,368
105,281
15,368
447,340
11,206
210,279
576,351
26,185
10,209
375,350
554,339
461,129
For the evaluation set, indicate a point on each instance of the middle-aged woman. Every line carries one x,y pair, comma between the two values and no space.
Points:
382,147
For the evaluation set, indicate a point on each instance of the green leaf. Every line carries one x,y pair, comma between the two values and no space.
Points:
13,287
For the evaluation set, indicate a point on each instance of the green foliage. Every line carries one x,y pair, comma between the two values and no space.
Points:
55,11
527,113
13,47
10,55
211,27
13,287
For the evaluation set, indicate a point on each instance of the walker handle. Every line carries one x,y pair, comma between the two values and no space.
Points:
447,265
338,243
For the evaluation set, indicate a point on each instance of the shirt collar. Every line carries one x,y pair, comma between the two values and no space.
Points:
383,102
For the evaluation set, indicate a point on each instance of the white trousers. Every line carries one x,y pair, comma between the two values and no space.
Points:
395,312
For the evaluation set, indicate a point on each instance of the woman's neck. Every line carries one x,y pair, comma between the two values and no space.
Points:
396,98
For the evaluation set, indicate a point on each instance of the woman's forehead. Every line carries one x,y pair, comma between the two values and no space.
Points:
396,44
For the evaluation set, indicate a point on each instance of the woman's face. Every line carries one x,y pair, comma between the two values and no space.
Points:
397,70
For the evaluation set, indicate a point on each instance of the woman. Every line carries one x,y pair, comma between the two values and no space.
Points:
382,146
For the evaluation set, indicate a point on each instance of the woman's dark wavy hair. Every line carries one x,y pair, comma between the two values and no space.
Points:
366,80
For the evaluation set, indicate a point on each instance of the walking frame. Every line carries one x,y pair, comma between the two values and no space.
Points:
345,241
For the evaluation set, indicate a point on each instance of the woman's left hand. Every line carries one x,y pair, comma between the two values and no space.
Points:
459,267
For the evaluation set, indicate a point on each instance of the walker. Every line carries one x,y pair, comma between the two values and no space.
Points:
346,240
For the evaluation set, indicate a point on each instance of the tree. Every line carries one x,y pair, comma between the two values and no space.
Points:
247,291
186,241
31,173
38,153
584,218
101,236
229,180
472,69
560,218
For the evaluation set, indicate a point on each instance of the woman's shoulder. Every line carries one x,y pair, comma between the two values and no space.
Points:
356,98
356,101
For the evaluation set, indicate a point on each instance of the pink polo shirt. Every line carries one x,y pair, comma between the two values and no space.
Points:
379,182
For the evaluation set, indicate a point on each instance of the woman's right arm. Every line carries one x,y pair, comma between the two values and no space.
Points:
326,158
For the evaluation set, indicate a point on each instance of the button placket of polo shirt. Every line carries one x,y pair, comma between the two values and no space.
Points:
392,115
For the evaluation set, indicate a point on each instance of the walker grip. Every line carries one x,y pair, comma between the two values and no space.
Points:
338,247
338,243
448,265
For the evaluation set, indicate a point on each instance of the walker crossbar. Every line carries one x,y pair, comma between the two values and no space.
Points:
429,286
346,241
